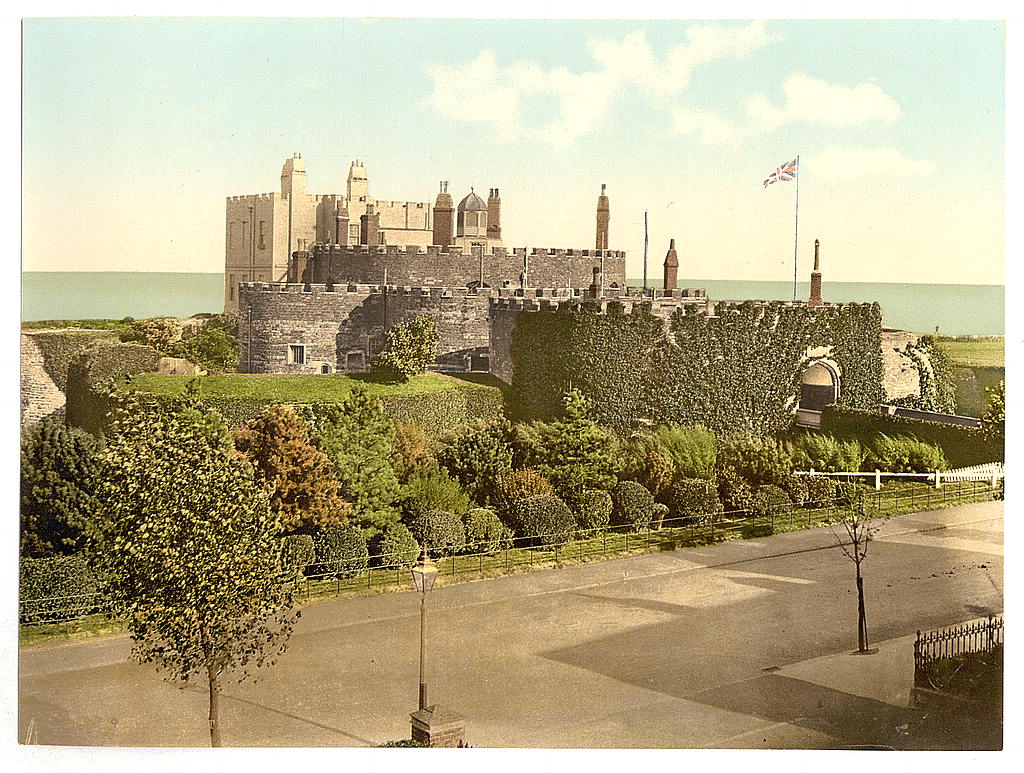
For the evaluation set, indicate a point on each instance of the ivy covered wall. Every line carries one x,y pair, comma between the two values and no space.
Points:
735,369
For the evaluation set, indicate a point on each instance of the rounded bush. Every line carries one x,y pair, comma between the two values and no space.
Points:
594,510
442,532
298,551
521,484
850,493
340,551
632,505
396,546
769,500
543,520
821,491
797,488
736,494
485,533
693,499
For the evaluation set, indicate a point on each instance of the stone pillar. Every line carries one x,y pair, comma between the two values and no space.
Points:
438,727
369,227
671,267
494,215
444,217
595,286
815,297
603,216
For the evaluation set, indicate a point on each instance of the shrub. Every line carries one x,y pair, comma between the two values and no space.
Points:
904,454
396,546
768,500
693,450
796,487
408,349
693,498
594,510
645,461
56,588
546,520
485,533
477,456
658,513
633,505
520,484
850,493
340,551
440,531
412,449
299,551
734,491
994,420
215,347
825,453
432,488
821,491
758,460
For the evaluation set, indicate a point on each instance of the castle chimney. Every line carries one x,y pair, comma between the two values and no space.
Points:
603,216
341,226
369,227
815,299
595,286
494,215
300,266
444,217
671,267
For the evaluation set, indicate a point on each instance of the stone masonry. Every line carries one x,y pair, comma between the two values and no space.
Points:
40,396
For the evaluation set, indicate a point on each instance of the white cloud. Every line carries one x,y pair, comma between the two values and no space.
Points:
483,91
714,128
844,164
816,101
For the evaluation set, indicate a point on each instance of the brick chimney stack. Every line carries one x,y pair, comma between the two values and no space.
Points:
444,217
603,215
369,227
494,215
671,267
815,299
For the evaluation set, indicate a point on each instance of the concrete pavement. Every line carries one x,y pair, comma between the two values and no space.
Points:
742,644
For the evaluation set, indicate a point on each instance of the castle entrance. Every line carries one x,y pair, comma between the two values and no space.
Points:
819,387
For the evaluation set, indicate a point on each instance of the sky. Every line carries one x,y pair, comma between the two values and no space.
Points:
135,130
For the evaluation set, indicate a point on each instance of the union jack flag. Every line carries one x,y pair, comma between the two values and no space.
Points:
783,173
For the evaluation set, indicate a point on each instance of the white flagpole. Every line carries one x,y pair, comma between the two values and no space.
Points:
796,223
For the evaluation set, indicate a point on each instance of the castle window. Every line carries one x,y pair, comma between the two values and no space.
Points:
231,235
325,368
296,354
353,234
263,224
231,287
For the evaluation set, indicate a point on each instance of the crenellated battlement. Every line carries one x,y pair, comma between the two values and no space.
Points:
494,252
252,197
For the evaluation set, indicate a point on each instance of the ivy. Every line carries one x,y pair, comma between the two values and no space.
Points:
936,378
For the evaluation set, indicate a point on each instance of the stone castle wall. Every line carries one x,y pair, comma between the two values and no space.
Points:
901,378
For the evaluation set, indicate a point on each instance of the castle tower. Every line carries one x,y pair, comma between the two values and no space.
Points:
603,216
293,177
358,184
671,267
444,217
471,219
815,299
494,215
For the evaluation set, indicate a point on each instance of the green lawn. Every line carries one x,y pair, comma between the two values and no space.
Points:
988,351
305,388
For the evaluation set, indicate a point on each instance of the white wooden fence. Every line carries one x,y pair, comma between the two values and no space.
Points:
992,472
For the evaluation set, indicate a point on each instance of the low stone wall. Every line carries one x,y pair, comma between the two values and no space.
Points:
40,396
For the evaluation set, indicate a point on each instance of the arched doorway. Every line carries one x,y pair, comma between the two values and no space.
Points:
819,387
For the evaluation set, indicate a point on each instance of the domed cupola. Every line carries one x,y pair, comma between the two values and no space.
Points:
472,216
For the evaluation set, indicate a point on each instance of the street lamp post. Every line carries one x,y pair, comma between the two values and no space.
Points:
423,575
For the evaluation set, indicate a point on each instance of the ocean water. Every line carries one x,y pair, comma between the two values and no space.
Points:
954,309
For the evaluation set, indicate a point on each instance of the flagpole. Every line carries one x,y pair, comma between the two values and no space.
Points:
796,223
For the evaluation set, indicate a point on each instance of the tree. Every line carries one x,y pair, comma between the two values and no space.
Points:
298,477
859,530
477,456
359,440
994,420
58,481
578,454
408,349
188,549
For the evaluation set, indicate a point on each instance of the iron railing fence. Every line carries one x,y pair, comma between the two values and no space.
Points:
932,648
382,572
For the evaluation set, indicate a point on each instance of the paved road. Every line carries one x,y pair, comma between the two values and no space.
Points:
743,644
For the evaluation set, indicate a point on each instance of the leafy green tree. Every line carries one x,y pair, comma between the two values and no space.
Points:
440,531
578,454
58,482
360,442
408,349
994,420
299,478
188,549
214,347
412,448
476,456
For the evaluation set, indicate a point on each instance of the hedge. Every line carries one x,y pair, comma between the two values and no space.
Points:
47,586
87,405
340,551
594,509
485,533
692,498
546,519
633,505
442,532
739,369
962,446
62,347
396,545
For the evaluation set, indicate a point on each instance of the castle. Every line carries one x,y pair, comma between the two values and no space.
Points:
326,305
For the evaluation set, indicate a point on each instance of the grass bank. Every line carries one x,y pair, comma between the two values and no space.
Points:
970,351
